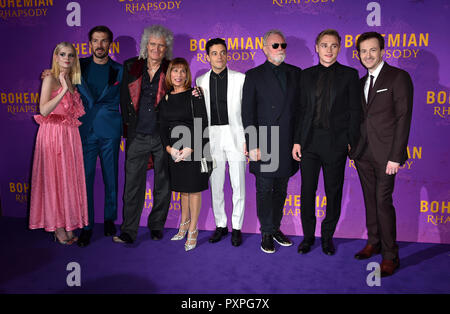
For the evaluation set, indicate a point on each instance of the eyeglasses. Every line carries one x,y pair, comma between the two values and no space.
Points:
276,45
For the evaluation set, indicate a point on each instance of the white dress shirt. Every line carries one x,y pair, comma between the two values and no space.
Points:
375,74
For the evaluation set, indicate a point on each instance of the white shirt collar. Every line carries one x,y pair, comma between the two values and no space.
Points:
375,75
376,72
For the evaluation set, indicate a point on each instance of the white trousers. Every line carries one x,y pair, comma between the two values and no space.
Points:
226,148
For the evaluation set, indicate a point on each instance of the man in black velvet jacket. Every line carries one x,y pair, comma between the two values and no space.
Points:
142,88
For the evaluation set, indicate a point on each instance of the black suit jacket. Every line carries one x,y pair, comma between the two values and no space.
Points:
345,114
387,116
264,104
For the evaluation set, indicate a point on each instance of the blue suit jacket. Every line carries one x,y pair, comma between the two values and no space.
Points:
102,115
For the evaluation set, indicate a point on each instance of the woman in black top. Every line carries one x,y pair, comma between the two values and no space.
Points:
182,137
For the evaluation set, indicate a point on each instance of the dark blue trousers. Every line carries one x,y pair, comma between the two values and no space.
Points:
108,151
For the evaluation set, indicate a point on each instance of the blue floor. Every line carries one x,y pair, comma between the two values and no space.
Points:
32,263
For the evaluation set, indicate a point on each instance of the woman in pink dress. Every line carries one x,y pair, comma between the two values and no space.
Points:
58,190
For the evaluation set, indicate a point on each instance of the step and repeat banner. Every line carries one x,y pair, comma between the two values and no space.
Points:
416,34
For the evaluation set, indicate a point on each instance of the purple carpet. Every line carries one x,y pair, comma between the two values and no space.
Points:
32,263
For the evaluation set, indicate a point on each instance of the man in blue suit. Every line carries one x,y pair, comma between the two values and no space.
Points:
102,126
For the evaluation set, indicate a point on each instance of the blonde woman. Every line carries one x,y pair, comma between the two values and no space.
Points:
58,190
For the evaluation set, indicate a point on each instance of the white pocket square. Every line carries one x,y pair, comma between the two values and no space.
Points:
382,90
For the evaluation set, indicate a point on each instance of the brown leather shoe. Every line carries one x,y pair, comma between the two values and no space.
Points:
389,266
367,252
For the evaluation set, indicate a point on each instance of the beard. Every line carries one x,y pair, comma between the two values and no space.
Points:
279,58
102,54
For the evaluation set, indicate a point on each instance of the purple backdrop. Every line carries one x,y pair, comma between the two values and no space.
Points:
416,35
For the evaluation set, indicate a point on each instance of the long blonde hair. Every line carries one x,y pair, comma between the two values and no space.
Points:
75,71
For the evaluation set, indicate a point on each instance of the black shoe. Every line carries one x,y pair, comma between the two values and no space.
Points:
85,238
328,247
156,234
123,238
305,246
281,239
236,237
218,234
267,245
109,228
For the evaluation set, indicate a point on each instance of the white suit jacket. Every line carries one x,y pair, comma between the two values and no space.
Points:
234,101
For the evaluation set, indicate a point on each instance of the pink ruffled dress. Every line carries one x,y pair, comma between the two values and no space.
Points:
58,187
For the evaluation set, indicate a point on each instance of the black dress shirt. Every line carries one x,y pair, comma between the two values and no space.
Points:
280,73
325,82
218,97
147,120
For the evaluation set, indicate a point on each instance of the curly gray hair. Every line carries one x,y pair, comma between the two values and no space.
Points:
156,31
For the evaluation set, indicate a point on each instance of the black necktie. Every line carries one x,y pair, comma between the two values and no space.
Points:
370,88
281,78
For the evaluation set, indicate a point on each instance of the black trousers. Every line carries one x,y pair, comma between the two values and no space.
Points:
138,153
377,188
321,154
270,198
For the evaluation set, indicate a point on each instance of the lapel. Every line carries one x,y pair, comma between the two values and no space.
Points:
83,88
276,93
363,96
378,83
135,72
230,94
312,88
206,93
289,92
162,82
135,91
84,66
336,84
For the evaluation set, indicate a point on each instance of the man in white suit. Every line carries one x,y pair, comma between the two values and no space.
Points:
222,90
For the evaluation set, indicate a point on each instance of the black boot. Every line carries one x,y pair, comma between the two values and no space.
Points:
85,238
109,228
